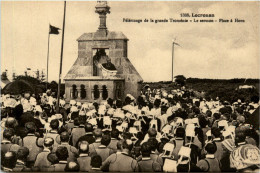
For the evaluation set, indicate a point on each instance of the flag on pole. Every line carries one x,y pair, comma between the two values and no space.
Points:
54,30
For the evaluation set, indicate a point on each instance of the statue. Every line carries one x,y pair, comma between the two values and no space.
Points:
103,64
109,65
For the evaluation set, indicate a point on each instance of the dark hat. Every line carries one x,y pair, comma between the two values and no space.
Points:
48,142
30,126
22,152
152,132
8,133
52,158
10,122
64,135
97,132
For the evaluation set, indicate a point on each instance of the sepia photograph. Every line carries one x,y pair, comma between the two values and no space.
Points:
130,86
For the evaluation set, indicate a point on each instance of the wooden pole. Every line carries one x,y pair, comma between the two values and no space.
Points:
172,58
48,59
61,57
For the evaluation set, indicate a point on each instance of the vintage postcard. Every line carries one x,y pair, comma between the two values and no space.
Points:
141,86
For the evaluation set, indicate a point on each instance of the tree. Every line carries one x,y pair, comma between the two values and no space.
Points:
42,78
180,79
4,76
38,74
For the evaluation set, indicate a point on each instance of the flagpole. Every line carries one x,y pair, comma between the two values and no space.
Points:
172,58
48,59
61,57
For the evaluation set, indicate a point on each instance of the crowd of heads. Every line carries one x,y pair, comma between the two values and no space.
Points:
170,131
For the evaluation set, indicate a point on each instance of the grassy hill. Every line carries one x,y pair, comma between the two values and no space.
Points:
224,89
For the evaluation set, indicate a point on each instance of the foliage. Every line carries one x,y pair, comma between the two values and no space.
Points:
180,79
29,79
40,86
224,89
4,76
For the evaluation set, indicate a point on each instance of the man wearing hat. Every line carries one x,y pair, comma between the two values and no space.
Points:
41,161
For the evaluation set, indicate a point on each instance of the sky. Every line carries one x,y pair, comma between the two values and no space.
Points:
207,50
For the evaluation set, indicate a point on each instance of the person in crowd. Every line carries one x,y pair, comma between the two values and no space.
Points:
154,151
11,123
41,161
121,161
179,140
53,159
62,155
96,163
217,138
98,136
64,139
9,161
78,130
88,134
195,151
210,163
33,143
21,163
6,143
147,164
53,133
72,167
84,159
184,163
103,151
114,140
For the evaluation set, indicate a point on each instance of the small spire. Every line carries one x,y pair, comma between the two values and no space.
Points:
102,9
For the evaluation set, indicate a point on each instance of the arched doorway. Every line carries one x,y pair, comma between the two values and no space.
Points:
74,91
96,92
83,92
104,92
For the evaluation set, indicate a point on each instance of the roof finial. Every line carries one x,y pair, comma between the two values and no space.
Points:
102,9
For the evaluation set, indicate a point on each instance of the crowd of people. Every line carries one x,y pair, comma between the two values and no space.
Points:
159,131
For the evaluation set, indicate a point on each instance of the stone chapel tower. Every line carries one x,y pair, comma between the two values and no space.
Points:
102,69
